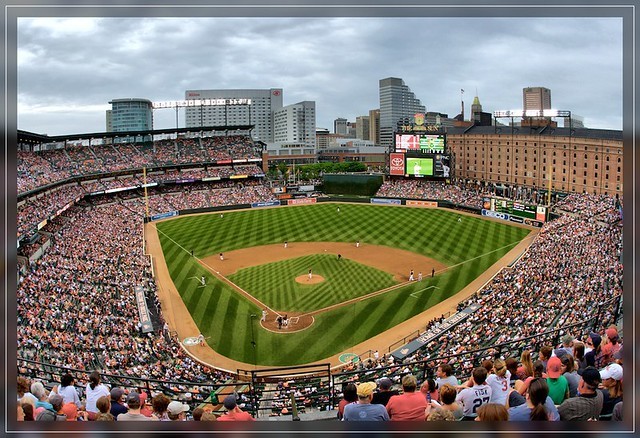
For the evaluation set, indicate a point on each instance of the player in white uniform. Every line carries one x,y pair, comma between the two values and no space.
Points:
477,395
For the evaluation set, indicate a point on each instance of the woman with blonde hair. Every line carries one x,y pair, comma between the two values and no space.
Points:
499,381
526,369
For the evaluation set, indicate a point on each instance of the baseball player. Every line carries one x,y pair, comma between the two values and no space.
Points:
411,275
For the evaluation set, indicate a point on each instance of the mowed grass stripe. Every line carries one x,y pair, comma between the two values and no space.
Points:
433,233
274,283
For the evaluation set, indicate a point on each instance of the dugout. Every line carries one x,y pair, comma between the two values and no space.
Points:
352,183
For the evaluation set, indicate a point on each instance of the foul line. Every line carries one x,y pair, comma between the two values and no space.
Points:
399,285
219,275
413,294
343,303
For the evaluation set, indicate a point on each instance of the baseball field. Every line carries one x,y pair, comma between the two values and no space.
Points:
346,300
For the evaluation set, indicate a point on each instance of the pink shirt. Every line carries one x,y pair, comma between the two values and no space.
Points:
409,406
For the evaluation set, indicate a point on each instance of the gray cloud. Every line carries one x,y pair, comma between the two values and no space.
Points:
79,65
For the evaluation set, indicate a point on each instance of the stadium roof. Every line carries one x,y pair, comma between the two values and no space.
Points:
30,137
605,134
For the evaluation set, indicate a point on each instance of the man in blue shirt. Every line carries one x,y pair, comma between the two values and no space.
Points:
364,410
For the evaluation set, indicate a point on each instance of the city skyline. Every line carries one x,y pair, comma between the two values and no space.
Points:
69,69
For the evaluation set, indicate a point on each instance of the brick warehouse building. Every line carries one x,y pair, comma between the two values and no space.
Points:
579,159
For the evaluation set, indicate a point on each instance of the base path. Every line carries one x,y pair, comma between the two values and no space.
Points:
397,262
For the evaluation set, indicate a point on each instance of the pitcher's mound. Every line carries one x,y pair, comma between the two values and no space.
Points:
315,279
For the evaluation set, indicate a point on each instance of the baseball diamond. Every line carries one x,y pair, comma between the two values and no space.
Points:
350,305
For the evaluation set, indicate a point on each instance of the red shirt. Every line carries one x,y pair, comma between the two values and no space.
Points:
236,416
409,406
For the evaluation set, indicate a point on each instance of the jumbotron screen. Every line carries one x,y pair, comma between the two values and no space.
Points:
426,143
420,166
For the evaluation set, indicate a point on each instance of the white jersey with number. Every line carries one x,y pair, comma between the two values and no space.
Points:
499,387
474,397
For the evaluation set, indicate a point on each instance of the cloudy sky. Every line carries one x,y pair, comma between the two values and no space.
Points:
70,68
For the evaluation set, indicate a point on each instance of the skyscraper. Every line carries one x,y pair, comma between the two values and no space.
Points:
536,98
374,126
362,127
397,101
340,126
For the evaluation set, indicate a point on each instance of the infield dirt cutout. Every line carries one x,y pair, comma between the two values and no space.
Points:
179,319
397,262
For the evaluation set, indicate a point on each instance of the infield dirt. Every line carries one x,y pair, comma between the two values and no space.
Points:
397,262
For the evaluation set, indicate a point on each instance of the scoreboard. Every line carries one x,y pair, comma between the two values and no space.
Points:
516,208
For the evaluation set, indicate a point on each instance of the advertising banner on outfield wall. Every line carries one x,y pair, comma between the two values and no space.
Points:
143,311
495,214
434,333
301,201
163,215
264,204
386,201
396,163
429,204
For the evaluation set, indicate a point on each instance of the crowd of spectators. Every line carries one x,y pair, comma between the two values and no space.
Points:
569,274
76,306
36,169
420,189
34,209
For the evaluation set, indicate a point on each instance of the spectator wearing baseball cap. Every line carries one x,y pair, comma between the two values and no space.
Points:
177,411
384,392
588,404
134,402
614,339
117,402
234,413
612,389
364,410
558,384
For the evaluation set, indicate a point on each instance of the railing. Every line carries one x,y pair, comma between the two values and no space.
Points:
295,388
263,390
192,393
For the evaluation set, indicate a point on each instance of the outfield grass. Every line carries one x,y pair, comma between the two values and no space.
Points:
468,247
274,283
